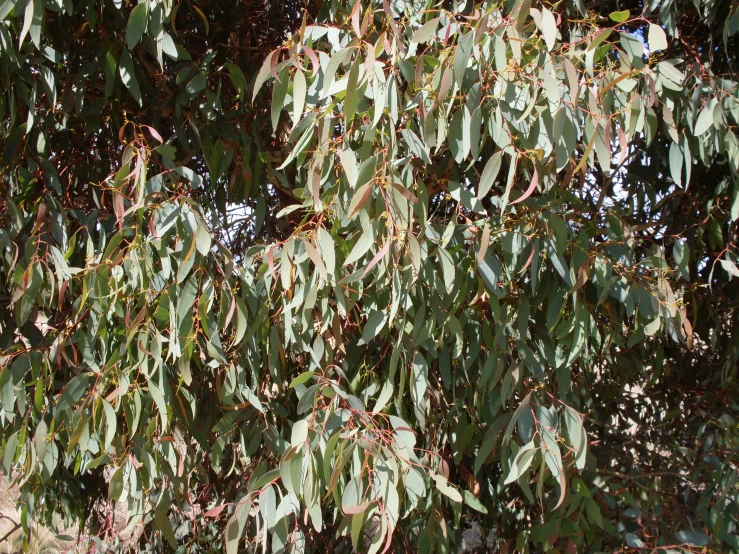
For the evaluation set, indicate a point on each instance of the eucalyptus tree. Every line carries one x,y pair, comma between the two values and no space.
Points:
351,276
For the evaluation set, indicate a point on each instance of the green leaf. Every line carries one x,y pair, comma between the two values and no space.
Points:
730,268
349,165
392,510
316,259
40,439
415,146
599,38
6,6
426,31
577,435
136,24
291,470
489,174
419,380
359,198
79,431
620,17
552,454
128,76
465,197
548,28
168,45
9,452
473,502
457,135
237,79
516,414
633,541
73,392
353,94
339,58
264,480
442,485
351,498
115,486
307,400
186,259
302,378
27,20
521,462
580,488
373,326
110,424
485,450
379,255
165,218
161,520
675,158
693,538
161,404
462,55
202,239
328,456
544,532
299,91
448,270
328,250
279,92
593,510
261,77
669,71
361,247
299,433
28,289
50,87
705,118
235,526
656,39
196,85
385,395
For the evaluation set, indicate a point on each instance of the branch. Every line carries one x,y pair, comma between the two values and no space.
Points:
16,526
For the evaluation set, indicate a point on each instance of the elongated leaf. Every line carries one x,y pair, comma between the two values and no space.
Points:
136,24
549,28
693,538
128,75
115,486
316,259
442,485
473,502
705,118
426,31
264,72
299,91
27,20
299,433
489,174
237,78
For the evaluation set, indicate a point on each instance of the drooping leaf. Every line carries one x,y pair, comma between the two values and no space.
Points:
136,24
657,39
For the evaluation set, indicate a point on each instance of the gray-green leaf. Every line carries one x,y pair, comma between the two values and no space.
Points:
136,25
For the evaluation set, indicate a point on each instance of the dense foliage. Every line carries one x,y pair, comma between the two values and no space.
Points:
350,276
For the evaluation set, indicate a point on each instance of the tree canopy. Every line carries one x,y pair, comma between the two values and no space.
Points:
352,275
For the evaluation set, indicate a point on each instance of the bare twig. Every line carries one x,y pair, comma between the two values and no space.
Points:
16,526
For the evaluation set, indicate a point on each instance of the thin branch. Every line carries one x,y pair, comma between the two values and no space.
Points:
16,526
